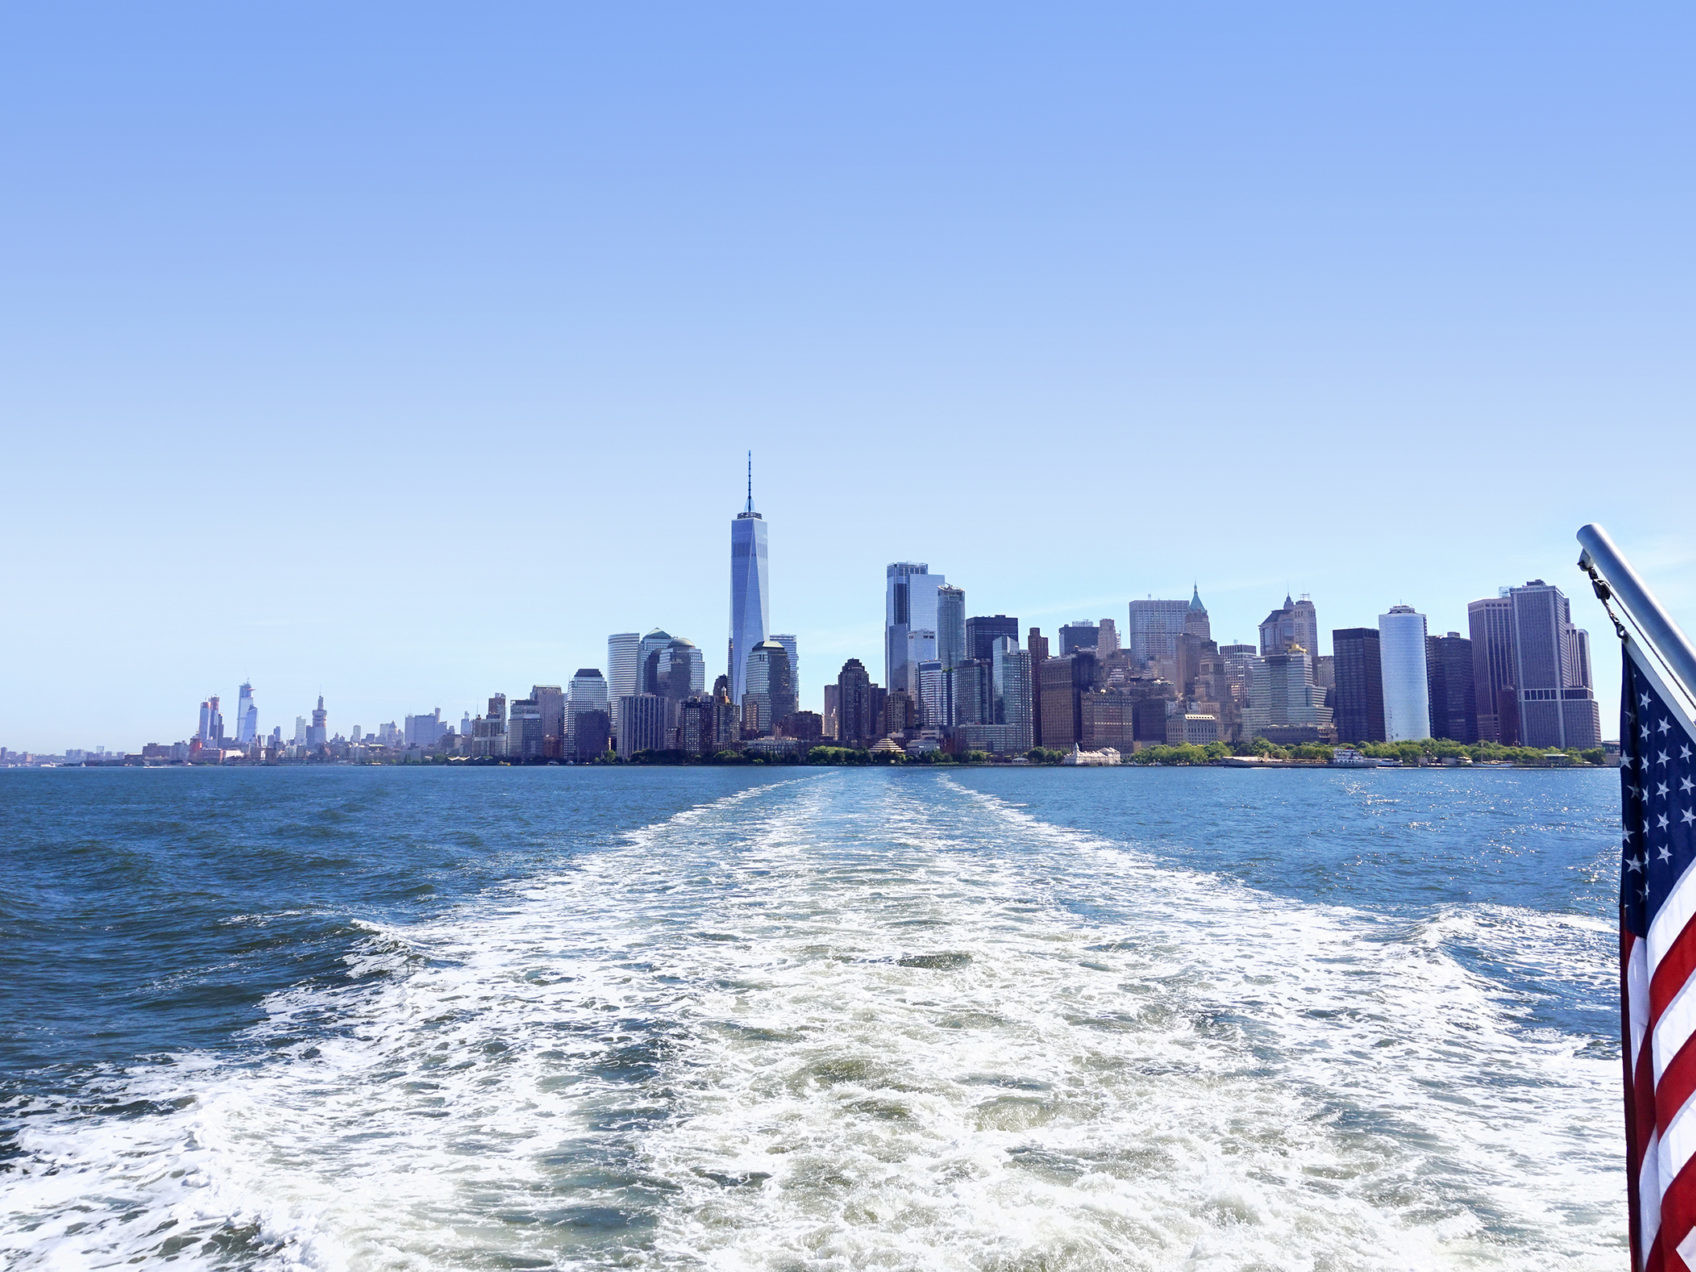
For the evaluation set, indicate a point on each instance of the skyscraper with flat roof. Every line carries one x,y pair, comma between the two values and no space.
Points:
750,598
1401,648
951,626
624,669
791,647
1557,706
1490,625
1359,711
983,630
1454,699
1153,629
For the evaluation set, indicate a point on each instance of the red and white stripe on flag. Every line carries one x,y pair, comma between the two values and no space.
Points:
1658,966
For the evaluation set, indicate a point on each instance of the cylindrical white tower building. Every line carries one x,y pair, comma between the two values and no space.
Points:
1407,701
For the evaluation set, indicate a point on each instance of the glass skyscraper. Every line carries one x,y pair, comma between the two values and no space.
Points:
750,598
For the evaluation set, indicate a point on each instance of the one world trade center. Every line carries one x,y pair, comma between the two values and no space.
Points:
749,600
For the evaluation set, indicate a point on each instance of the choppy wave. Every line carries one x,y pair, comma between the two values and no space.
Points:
863,1021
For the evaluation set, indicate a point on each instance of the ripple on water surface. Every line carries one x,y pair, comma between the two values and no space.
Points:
861,1021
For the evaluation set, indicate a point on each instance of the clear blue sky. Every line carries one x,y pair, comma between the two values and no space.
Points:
407,351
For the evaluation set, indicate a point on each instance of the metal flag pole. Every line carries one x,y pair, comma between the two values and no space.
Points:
1615,580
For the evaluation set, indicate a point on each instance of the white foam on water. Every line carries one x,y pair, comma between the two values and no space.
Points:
866,1020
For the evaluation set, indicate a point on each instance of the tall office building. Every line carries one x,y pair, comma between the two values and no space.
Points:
1154,627
791,647
211,728
550,704
1106,638
643,715
1557,705
984,630
1064,682
951,648
909,622
1010,670
1295,623
682,670
936,707
588,717
525,739
750,593
1283,701
1360,684
624,669
1454,702
856,714
1081,634
1490,625
318,733
648,660
1401,653
971,694
247,716
1196,622
769,684
1036,645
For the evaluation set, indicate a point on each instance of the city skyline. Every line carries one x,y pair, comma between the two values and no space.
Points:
1285,686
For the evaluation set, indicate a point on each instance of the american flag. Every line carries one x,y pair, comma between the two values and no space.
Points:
1657,899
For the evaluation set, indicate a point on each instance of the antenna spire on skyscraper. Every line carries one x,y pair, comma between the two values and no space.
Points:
750,507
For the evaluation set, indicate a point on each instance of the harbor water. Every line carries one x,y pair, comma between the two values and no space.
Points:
792,1018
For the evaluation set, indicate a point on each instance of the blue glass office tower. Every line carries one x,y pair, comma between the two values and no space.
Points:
749,594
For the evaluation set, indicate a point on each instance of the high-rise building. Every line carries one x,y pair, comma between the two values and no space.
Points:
247,716
488,732
524,737
1490,625
1196,622
1295,623
909,622
1284,703
951,648
750,592
1064,682
971,694
1036,645
550,702
984,630
769,684
648,660
588,719
643,716
792,647
1557,705
211,729
857,723
318,733
425,730
936,708
1106,638
1078,635
1448,673
1010,670
1360,684
1401,655
624,669
832,712
1154,627
682,671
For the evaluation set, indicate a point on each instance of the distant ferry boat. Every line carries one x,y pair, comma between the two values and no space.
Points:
1348,757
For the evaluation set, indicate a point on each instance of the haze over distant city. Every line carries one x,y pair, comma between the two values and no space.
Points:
383,356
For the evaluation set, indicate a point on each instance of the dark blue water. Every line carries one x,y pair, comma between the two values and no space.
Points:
349,1018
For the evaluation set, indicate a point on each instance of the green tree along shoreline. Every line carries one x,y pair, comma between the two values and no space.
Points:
1427,752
